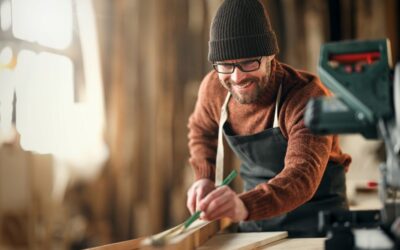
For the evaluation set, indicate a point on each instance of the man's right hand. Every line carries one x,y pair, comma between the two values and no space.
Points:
198,191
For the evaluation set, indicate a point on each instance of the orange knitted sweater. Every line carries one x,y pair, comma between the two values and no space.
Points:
307,154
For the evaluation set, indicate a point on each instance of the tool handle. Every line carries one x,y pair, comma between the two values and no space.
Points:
196,215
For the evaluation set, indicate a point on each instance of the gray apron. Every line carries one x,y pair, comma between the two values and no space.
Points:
262,157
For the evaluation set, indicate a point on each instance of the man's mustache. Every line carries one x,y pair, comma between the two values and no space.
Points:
245,81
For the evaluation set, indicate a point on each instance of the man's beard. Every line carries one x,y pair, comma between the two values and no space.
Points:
259,88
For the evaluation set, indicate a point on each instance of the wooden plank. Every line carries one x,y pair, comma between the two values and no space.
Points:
298,244
316,23
370,19
242,241
392,27
124,245
198,233
294,43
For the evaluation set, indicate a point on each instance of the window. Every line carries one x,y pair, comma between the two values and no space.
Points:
50,79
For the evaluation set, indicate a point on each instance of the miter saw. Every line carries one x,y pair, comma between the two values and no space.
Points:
367,101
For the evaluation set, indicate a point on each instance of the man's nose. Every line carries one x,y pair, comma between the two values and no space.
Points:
238,75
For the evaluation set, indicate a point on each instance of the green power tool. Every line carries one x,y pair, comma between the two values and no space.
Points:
358,73
366,101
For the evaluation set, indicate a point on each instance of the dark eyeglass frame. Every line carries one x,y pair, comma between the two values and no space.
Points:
234,65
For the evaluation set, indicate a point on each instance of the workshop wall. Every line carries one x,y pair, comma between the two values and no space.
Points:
153,55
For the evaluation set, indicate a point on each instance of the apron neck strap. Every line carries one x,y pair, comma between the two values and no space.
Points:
278,100
219,164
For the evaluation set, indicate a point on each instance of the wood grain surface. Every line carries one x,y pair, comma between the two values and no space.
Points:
242,241
296,244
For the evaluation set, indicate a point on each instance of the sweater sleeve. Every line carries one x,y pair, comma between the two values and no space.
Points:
203,130
305,161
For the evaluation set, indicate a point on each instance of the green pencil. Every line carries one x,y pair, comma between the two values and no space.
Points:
160,239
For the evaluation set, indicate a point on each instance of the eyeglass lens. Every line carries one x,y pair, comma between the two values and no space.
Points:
245,66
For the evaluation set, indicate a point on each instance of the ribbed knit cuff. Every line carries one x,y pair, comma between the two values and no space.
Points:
250,200
203,169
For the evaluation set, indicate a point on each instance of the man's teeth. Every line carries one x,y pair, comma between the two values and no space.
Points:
242,86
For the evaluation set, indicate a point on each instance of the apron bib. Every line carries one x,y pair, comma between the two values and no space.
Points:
262,157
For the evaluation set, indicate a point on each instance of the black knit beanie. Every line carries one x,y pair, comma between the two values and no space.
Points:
241,29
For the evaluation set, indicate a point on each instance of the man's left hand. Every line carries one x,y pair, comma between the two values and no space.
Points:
223,202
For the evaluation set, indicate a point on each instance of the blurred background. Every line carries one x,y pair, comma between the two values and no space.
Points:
94,101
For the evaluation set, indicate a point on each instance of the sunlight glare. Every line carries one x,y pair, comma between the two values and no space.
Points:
5,15
47,22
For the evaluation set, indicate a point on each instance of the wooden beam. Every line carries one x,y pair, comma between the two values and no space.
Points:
198,233
123,245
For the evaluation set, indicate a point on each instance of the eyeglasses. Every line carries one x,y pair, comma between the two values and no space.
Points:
244,66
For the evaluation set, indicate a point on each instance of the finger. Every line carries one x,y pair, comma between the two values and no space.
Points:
191,201
218,202
223,211
201,193
199,197
211,196
222,202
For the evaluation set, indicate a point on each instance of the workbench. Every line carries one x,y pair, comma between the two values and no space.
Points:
283,244
296,244
361,201
206,237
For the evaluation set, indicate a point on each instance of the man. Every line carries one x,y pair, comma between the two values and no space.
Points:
289,174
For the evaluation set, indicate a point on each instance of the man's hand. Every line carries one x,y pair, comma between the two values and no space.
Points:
198,191
223,202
